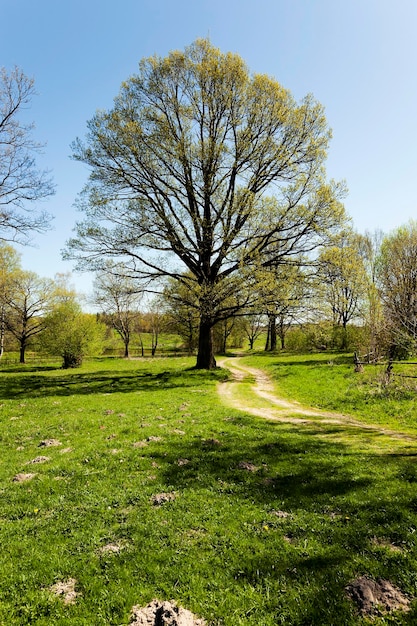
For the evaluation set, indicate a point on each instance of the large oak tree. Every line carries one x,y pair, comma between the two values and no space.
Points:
201,168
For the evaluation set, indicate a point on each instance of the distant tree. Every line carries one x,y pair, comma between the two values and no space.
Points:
27,301
118,298
343,280
202,167
397,275
181,309
281,297
223,330
72,334
21,183
155,321
253,326
9,267
369,248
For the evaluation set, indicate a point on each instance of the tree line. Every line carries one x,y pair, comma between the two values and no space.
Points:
360,293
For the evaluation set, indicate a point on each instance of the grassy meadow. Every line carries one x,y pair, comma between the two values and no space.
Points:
143,485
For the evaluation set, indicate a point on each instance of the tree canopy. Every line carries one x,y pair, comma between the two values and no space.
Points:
397,275
203,168
21,182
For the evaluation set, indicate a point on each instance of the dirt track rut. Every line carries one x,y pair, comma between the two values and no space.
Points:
280,409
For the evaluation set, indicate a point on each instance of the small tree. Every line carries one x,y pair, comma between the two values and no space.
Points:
181,309
369,247
118,297
253,327
27,300
9,267
281,292
397,276
343,277
72,334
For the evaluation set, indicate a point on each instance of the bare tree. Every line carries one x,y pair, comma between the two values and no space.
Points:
21,182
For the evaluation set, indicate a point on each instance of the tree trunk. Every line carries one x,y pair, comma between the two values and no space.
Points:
268,336
154,342
344,337
2,331
282,334
22,351
205,356
273,333
126,355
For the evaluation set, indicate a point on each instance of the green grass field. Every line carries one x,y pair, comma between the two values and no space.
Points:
264,523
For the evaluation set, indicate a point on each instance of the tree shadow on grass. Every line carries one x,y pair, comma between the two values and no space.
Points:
77,383
297,469
306,360
326,499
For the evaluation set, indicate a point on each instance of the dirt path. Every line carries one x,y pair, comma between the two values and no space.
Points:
279,409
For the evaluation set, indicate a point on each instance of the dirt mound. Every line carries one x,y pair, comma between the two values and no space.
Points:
249,467
158,613
376,596
38,459
65,589
161,498
49,443
21,478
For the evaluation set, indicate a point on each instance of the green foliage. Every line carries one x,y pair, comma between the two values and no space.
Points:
343,278
72,334
398,282
325,336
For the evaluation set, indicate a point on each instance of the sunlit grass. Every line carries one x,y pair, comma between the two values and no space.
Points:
328,381
267,524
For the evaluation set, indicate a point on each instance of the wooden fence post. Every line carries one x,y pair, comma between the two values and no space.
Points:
358,365
388,372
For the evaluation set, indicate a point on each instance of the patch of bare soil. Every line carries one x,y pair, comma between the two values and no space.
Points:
158,613
211,443
376,596
22,478
140,444
112,548
162,498
66,590
281,514
49,443
248,467
38,459
385,543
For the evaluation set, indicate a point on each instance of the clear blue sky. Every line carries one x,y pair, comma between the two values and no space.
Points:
358,58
